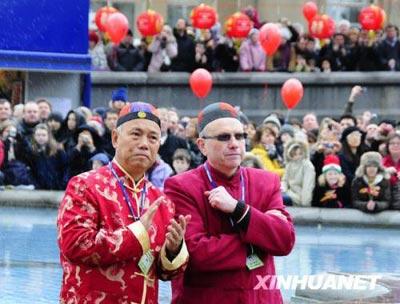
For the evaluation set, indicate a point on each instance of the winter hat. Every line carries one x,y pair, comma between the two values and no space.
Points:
120,94
371,158
102,157
96,122
287,129
349,130
138,110
253,31
215,111
273,119
56,116
331,162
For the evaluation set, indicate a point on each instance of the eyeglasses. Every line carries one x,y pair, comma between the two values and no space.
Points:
227,136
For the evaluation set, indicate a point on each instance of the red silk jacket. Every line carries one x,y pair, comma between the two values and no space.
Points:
100,244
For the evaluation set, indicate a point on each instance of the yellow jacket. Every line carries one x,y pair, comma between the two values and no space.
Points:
268,163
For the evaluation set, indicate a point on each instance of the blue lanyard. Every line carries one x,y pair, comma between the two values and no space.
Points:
126,196
214,184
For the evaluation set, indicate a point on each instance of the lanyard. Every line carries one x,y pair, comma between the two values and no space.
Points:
214,184
126,196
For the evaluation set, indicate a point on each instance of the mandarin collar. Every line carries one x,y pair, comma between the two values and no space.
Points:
126,178
220,177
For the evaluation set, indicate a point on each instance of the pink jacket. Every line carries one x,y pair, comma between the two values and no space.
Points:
252,56
217,272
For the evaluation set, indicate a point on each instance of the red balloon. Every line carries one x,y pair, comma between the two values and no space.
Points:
321,27
149,23
200,82
238,25
270,38
292,92
310,10
117,26
371,18
203,16
101,16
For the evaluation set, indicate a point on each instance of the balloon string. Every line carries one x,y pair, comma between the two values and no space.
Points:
108,2
287,116
148,4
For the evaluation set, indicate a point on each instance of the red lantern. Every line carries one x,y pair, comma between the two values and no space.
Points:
203,16
238,25
149,23
310,10
321,27
200,82
371,18
270,38
292,92
101,17
117,26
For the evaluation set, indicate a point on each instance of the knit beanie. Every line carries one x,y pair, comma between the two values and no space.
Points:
120,94
215,111
331,162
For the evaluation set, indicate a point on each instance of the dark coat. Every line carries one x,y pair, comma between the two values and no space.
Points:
49,172
327,197
67,137
169,147
337,58
79,161
386,52
379,192
25,130
107,144
126,58
184,61
226,58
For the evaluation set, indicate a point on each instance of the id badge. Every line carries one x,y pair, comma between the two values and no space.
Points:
146,261
253,262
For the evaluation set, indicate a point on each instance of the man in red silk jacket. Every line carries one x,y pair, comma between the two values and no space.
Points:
116,232
238,220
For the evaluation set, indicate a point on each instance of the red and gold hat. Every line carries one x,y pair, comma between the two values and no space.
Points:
138,110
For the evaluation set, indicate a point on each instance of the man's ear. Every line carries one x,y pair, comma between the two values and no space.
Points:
114,137
201,144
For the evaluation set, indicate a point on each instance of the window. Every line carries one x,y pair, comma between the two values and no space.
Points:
348,9
177,11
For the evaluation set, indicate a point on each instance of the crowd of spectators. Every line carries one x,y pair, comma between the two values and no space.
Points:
184,49
348,162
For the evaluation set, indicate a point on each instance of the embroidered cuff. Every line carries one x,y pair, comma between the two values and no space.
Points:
141,234
179,260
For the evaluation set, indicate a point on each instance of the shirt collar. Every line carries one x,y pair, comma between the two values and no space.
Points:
221,178
128,180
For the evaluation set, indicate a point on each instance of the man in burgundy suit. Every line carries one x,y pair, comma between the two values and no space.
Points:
238,221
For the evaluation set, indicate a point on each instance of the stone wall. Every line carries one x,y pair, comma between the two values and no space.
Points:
257,93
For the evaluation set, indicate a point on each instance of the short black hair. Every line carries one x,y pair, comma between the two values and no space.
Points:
348,116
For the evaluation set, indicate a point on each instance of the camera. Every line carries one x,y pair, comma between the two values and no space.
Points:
328,145
12,133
